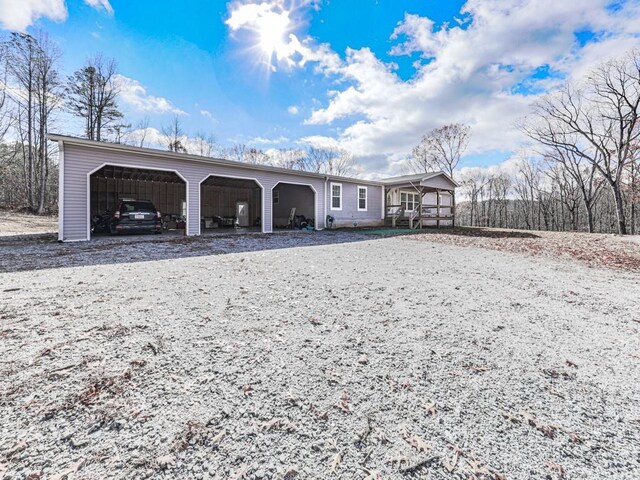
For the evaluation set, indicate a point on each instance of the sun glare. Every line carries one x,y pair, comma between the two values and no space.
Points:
272,32
269,31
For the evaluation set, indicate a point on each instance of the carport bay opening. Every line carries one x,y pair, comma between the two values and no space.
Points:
229,201
164,188
298,198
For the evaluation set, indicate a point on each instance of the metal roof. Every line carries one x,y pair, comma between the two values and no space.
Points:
65,139
417,178
226,162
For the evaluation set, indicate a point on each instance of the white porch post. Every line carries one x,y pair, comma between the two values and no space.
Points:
438,208
453,208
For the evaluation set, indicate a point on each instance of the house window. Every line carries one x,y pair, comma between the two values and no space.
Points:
362,199
276,197
336,196
409,201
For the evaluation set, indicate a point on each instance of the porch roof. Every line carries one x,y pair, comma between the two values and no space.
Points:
429,180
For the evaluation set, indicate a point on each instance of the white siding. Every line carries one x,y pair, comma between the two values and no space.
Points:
349,216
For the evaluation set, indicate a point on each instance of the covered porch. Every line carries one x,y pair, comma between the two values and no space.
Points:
420,201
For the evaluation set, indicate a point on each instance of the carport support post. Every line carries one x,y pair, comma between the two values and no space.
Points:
267,208
193,207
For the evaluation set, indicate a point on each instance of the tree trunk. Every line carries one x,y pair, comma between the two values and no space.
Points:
589,210
617,195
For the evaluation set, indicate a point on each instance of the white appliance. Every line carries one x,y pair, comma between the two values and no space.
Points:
242,214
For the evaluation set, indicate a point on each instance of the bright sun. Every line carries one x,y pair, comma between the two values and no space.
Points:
272,32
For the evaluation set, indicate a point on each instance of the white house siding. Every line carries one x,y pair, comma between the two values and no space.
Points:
349,216
81,160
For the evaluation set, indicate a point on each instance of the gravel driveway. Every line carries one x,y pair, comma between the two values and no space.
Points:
361,357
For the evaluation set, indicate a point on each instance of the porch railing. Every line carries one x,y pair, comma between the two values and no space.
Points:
415,214
394,212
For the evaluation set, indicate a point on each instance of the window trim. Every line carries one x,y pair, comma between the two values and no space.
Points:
331,197
366,198
413,201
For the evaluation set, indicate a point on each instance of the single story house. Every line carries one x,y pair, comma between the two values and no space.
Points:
202,193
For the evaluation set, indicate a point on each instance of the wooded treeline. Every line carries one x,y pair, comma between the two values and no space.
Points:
538,195
582,170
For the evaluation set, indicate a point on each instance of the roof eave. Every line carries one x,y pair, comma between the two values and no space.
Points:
196,158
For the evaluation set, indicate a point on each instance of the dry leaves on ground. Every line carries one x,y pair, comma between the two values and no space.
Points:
594,249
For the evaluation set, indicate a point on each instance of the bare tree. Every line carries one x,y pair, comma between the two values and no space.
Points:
633,187
256,156
32,67
236,152
574,168
288,158
92,93
205,144
5,112
48,94
329,161
244,153
472,184
597,123
22,52
138,134
441,149
174,136
120,132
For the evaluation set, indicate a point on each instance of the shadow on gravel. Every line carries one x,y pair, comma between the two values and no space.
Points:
27,256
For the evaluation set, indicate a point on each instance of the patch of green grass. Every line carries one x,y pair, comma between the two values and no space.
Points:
391,231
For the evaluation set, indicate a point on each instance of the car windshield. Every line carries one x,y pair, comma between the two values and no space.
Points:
137,207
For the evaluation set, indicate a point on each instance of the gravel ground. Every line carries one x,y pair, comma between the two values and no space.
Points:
349,357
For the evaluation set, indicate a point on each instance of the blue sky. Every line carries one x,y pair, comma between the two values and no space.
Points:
364,75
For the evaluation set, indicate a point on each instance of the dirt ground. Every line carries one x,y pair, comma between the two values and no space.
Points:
319,355
612,251
14,223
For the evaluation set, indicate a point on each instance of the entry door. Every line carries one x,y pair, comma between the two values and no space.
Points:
242,214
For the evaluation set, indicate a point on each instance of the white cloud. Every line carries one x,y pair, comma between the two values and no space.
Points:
268,141
252,15
320,141
479,70
206,113
135,95
20,14
293,110
100,5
